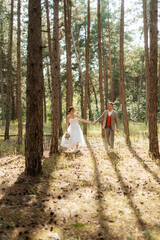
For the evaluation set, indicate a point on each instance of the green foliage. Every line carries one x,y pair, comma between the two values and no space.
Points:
134,53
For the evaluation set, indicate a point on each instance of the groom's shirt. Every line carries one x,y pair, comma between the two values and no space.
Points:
108,121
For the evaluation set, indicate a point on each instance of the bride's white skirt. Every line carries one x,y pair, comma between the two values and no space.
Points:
76,137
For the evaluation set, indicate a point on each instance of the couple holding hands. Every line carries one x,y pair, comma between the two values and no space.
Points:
73,138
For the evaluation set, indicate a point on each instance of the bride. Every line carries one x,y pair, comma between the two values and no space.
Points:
73,136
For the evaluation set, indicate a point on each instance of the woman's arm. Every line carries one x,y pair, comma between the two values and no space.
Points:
67,123
83,120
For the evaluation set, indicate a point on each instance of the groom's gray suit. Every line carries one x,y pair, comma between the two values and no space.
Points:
109,131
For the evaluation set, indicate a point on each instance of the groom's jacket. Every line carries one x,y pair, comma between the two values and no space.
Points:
114,119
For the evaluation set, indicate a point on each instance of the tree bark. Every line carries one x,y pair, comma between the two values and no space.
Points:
89,105
145,23
1,65
87,71
67,21
159,81
100,59
34,97
121,76
44,102
153,131
139,95
19,102
60,100
49,39
80,75
110,59
9,77
95,94
80,70
48,77
13,104
55,82
105,77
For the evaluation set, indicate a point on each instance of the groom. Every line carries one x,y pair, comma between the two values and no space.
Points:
110,123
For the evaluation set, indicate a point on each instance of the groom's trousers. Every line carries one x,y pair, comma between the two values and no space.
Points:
109,132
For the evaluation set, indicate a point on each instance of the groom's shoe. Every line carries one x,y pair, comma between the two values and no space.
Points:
111,150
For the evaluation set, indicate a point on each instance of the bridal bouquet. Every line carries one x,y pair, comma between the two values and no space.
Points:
67,135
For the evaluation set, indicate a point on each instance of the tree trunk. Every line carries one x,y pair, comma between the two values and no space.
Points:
139,95
159,82
19,103
49,79
80,71
89,104
44,102
145,22
9,77
49,45
13,105
87,71
1,66
153,132
95,94
105,77
121,75
60,100
55,82
67,21
100,59
110,59
34,97
80,75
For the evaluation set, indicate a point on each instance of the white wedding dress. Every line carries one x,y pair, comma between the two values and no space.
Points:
76,135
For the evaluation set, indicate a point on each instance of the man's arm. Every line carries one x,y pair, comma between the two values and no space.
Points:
99,118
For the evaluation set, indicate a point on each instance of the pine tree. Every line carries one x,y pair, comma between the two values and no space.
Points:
34,114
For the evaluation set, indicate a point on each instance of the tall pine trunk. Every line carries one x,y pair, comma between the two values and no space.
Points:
1,65
105,77
79,69
87,71
34,114
80,74
145,22
121,76
49,78
95,94
159,81
19,103
9,77
44,102
153,86
140,90
110,59
67,23
49,42
100,59
55,82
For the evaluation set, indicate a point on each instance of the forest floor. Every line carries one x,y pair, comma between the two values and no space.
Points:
93,195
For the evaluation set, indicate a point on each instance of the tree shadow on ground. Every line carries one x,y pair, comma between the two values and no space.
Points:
114,159
105,231
143,164
23,204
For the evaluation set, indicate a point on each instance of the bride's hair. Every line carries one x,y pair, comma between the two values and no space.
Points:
70,109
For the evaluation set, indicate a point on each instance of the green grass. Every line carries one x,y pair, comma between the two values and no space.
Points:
135,128
137,131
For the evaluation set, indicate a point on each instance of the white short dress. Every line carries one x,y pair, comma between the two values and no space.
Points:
76,135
